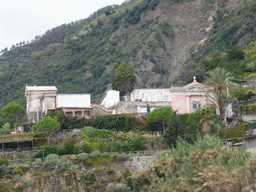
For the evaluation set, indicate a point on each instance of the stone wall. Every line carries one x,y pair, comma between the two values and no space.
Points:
248,118
140,107
138,163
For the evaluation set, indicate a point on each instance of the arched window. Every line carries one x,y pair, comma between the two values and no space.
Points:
196,105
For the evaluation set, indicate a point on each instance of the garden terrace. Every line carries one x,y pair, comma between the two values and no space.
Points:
16,143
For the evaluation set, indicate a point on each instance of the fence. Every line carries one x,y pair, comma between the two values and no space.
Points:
252,101
252,125
27,155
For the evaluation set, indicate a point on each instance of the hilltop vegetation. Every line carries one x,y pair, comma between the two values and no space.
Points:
230,43
155,37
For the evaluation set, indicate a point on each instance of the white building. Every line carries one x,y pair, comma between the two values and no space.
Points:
151,95
41,99
75,105
110,98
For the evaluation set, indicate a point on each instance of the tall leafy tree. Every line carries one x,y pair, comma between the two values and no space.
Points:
116,65
14,112
219,79
175,128
162,114
47,126
124,78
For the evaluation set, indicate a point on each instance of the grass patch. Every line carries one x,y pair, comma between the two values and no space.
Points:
22,136
100,159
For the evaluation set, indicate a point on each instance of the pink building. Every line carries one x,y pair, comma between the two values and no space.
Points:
189,98
186,99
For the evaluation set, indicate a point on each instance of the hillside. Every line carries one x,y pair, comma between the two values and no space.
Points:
156,37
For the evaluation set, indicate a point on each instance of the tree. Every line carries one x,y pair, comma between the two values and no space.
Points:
116,65
14,112
219,79
162,115
124,79
205,116
47,126
239,93
175,128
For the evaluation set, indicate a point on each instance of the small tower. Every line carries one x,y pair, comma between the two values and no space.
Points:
39,100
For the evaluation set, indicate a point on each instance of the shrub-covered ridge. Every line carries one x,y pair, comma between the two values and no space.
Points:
203,166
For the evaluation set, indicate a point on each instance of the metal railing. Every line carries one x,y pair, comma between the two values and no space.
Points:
252,101
252,125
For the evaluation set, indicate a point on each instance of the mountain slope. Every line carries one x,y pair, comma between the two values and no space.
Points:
154,36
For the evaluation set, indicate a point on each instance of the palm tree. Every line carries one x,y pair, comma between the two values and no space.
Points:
206,116
220,79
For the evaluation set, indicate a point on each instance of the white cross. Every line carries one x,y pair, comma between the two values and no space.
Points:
194,78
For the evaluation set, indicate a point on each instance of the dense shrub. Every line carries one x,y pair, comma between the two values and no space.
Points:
70,148
4,161
122,188
49,150
103,133
118,187
111,122
95,153
82,156
76,132
233,132
132,144
87,148
202,166
110,187
90,131
51,157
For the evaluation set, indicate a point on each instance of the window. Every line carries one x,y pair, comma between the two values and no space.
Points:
70,114
86,113
78,113
196,105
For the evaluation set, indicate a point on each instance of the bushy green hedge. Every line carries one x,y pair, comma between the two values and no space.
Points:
233,132
105,141
69,148
109,122
100,133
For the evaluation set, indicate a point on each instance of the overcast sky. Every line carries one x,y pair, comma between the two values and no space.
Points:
22,20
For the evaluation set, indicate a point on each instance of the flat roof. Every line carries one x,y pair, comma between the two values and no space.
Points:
41,88
73,100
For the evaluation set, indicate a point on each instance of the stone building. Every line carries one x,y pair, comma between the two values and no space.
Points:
184,99
74,105
41,99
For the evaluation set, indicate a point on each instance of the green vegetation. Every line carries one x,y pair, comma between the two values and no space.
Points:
109,122
123,78
108,141
219,79
162,115
229,45
13,113
233,132
202,166
46,126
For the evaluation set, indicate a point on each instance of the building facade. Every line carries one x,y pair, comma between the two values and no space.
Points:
42,99
184,99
